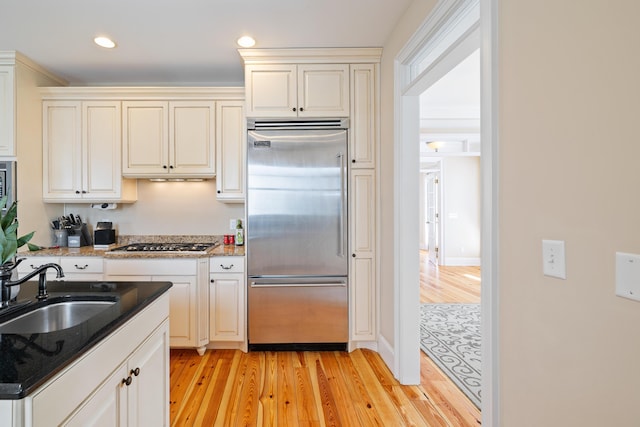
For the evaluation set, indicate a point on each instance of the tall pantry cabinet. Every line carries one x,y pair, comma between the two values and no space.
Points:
308,83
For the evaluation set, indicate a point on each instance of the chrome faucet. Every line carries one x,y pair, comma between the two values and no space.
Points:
5,284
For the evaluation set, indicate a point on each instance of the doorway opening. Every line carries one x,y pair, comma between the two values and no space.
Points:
449,34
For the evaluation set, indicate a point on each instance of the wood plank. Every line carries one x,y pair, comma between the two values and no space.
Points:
228,387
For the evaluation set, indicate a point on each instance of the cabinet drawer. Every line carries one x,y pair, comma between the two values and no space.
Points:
151,267
226,264
31,263
79,265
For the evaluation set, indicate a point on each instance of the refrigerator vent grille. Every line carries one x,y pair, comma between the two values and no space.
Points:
253,124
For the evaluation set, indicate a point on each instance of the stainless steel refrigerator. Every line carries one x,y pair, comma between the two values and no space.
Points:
296,233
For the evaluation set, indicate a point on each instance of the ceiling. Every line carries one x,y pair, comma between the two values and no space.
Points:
181,42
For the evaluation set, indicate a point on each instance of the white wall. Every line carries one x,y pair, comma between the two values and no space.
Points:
460,211
568,170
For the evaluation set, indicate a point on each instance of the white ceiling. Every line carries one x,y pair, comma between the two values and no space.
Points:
181,42
450,109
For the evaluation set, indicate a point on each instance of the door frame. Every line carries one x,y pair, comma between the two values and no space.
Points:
409,83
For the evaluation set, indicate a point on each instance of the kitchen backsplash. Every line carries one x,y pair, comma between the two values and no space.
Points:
167,208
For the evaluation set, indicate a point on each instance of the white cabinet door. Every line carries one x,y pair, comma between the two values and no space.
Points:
7,111
323,90
226,306
145,138
101,150
362,127
362,278
62,150
271,90
227,299
163,138
148,393
304,90
81,150
182,311
107,406
192,137
231,146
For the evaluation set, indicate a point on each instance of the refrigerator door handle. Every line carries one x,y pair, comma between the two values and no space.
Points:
296,285
343,193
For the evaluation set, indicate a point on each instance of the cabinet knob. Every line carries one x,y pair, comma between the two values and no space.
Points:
84,192
353,160
171,167
294,108
135,372
301,109
219,191
212,281
353,255
77,192
164,166
127,381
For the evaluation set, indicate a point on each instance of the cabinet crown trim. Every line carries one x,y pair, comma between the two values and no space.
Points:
124,93
317,55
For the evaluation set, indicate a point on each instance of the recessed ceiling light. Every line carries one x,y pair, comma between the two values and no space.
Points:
105,42
246,41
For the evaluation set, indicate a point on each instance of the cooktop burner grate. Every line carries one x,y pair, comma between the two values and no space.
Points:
165,247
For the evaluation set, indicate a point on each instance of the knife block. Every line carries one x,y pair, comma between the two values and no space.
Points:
82,231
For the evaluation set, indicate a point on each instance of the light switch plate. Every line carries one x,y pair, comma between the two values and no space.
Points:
628,275
553,260
232,224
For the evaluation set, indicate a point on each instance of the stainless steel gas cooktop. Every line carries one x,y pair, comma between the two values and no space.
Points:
165,247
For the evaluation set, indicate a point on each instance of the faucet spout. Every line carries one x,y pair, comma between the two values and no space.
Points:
42,282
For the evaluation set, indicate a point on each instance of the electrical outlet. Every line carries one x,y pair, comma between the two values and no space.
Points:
628,275
232,224
553,259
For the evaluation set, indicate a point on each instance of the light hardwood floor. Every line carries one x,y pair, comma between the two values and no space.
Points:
231,388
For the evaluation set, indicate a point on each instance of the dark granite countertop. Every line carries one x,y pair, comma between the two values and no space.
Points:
27,361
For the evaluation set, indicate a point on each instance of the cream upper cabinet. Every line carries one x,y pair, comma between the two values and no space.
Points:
7,110
169,139
297,90
81,152
362,141
230,155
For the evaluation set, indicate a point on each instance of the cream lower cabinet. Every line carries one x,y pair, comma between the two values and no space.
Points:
227,299
93,390
140,402
79,268
362,277
82,152
189,294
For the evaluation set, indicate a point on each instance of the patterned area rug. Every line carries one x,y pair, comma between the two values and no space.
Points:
450,336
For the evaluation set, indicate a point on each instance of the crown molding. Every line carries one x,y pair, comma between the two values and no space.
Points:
231,93
12,57
311,55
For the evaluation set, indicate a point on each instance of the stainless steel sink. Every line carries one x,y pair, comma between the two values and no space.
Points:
54,317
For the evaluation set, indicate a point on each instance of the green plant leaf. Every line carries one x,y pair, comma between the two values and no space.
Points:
24,239
33,247
10,216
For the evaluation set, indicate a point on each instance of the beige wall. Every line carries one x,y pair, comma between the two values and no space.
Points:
568,81
568,170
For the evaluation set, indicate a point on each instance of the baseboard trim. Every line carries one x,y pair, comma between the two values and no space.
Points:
387,354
